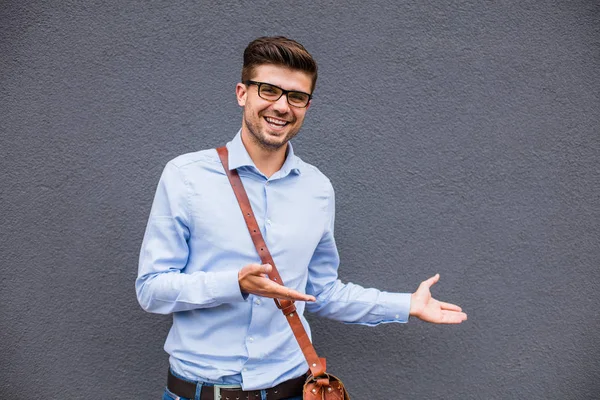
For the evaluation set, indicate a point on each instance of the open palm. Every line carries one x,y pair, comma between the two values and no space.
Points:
426,308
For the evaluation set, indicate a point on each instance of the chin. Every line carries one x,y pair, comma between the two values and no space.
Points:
273,144
275,138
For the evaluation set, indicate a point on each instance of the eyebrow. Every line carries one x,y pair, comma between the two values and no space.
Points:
279,87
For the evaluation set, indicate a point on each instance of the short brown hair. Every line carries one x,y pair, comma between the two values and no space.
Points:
278,50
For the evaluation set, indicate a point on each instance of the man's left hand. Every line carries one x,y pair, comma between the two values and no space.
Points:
425,307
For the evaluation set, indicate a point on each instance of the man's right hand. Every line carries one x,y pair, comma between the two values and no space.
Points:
253,279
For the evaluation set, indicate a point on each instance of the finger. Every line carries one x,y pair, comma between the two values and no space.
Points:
281,292
291,294
253,269
259,270
266,268
453,317
302,296
431,281
449,307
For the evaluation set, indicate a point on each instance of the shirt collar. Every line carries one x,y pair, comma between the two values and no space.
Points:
239,157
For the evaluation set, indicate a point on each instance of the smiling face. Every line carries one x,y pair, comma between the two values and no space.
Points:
271,124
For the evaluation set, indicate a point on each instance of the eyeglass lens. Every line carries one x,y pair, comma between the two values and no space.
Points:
273,93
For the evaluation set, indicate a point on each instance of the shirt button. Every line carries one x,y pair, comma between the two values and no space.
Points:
245,370
251,339
267,183
257,302
268,222
397,316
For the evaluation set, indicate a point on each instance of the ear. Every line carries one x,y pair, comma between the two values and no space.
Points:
241,92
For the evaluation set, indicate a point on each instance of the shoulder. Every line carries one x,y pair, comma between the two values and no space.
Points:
193,167
197,159
314,175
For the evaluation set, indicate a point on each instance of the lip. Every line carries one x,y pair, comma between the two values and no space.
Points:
277,119
274,126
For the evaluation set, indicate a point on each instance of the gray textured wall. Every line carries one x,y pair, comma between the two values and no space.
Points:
461,137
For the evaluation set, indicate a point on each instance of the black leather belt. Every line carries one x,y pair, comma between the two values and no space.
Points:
186,389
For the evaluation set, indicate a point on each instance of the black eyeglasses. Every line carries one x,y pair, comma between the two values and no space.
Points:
273,93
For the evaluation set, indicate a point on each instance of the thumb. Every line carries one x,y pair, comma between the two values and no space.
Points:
266,268
431,281
256,269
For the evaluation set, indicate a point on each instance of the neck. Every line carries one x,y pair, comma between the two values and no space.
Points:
267,160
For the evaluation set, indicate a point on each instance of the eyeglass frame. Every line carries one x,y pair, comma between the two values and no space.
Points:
283,92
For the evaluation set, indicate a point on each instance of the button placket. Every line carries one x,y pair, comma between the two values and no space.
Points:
268,222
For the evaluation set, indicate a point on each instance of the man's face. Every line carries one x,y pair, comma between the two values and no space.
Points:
271,124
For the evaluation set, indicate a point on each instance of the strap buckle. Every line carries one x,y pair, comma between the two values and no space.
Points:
217,390
283,304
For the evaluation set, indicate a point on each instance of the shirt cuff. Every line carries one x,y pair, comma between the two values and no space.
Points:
396,306
224,287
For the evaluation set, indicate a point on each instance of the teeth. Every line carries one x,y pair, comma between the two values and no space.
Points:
276,121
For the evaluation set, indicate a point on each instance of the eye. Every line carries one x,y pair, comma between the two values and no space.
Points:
298,97
269,90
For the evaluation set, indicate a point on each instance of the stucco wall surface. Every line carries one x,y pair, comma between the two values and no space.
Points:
461,137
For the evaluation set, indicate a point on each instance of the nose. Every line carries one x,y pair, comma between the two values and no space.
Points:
282,106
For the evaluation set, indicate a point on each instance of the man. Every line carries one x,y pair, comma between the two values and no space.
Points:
198,262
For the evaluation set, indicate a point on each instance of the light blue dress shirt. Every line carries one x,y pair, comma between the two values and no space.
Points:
195,243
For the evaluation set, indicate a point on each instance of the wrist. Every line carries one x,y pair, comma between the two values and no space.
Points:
412,310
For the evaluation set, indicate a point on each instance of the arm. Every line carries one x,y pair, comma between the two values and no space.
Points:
162,286
351,303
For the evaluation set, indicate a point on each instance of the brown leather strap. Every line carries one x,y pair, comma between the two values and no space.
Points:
285,390
317,368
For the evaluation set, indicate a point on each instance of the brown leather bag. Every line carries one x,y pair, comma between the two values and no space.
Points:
330,388
319,384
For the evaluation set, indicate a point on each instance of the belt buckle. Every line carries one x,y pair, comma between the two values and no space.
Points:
217,390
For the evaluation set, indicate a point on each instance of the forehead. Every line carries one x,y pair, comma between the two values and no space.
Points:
284,77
